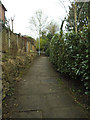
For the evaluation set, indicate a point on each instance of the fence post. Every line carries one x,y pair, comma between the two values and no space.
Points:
27,46
17,41
23,46
9,41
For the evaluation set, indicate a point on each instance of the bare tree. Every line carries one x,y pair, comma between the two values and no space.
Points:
75,16
12,20
61,3
38,23
52,28
74,3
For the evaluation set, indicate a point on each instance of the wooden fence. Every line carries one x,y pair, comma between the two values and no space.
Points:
14,44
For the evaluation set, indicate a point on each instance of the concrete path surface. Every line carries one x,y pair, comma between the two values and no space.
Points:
39,95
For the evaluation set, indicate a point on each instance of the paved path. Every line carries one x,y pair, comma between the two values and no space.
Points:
41,96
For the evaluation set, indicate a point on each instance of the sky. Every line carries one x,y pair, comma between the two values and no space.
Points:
23,10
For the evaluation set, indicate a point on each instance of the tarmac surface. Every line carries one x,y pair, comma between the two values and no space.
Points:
40,95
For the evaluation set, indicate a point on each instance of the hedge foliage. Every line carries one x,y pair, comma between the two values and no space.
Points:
70,54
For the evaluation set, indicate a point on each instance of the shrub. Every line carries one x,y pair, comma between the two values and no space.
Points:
69,54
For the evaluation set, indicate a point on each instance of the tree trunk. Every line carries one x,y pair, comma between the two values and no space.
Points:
75,16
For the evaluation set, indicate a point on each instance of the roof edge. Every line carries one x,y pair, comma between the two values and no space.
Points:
3,6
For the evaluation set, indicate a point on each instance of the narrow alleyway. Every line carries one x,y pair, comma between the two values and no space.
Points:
39,95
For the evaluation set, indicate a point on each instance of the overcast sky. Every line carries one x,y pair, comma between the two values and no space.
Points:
24,10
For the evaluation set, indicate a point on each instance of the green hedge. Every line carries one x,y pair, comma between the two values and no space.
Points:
70,54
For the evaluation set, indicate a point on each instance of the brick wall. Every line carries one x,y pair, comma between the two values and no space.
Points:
2,12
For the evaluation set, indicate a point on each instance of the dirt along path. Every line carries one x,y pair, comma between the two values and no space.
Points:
39,95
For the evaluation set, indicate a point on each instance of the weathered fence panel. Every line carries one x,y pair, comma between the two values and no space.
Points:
14,44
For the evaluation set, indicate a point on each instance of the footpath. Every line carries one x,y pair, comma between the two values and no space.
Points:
40,95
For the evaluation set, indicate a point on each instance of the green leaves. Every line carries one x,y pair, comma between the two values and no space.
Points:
70,55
